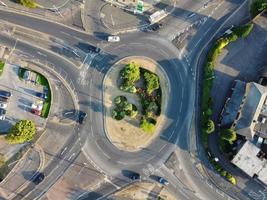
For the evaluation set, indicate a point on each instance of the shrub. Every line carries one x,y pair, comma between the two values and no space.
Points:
147,125
28,3
130,74
210,127
2,64
228,135
243,31
257,7
152,82
22,131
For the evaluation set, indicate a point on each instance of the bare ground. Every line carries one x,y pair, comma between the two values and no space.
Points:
126,134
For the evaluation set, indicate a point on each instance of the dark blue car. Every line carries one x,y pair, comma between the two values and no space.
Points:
5,94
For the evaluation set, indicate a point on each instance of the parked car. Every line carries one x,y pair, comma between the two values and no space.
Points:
135,176
155,27
5,94
113,38
163,181
39,178
82,117
2,114
3,99
41,95
3,105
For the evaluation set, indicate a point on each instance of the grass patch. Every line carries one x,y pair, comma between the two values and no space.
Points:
2,64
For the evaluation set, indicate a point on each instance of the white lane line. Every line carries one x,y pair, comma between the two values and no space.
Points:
65,33
163,147
71,156
123,163
63,150
101,150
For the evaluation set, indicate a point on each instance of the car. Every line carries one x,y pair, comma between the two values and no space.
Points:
38,178
3,100
36,112
3,105
113,38
93,49
135,176
82,117
163,181
2,114
41,95
5,94
155,27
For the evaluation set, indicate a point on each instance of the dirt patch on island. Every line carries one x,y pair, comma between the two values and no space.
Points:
126,134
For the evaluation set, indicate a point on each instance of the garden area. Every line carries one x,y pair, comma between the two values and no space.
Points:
136,102
2,64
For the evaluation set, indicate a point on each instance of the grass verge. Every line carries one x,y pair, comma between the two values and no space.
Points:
2,65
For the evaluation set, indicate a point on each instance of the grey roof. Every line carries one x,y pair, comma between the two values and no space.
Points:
255,97
232,106
247,160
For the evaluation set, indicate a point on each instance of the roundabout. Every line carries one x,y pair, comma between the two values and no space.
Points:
126,134
98,147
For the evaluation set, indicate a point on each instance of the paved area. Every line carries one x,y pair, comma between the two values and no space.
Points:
67,12
52,4
23,95
22,173
78,179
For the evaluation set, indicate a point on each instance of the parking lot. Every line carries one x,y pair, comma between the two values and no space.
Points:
23,96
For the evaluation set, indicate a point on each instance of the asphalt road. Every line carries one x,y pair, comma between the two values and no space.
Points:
91,136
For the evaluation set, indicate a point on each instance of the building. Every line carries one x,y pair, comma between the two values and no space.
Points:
246,110
251,159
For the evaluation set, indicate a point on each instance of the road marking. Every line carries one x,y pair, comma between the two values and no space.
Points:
63,150
102,150
162,147
42,54
123,163
71,156
109,181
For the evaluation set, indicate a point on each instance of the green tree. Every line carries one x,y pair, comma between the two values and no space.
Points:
210,127
257,6
152,82
22,131
130,74
228,135
243,31
147,126
28,3
117,100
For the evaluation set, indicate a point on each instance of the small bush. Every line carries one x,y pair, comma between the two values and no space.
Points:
242,31
28,3
147,125
152,82
257,6
2,64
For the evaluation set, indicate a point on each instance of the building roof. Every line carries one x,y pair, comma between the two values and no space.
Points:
247,160
232,106
254,100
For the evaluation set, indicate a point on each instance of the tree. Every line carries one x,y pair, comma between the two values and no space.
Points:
147,126
243,31
130,74
210,127
117,100
152,82
28,3
22,131
228,135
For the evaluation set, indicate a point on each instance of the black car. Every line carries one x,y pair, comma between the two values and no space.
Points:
93,49
135,176
38,178
82,117
5,94
41,95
